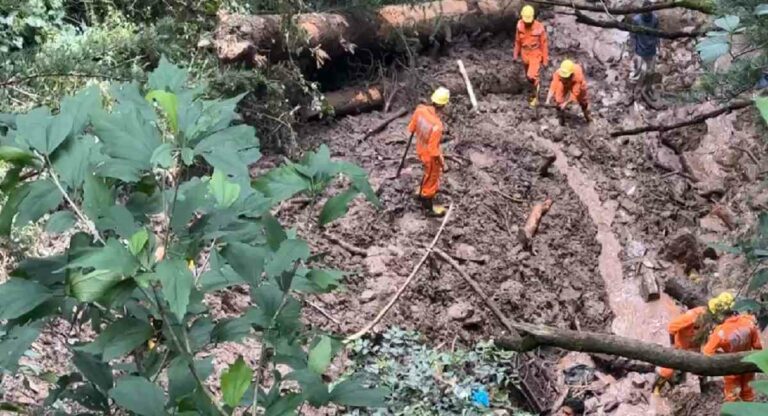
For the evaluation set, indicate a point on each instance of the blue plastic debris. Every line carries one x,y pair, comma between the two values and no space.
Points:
480,397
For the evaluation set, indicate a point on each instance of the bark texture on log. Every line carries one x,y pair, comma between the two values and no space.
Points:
351,101
535,336
532,224
649,286
258,37
685,291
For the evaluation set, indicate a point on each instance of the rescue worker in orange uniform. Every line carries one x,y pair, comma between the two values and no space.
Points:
569,85
682,331
428,130
737,333
531,44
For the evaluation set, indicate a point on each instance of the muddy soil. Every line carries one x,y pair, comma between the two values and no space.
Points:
616,205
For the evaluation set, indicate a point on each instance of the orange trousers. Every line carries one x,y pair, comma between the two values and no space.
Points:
732,383
431,181
532,62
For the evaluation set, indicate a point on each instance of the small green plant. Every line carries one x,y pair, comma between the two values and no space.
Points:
160,180
751,409
425,381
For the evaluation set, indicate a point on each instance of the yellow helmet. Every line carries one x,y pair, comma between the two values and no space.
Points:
527,14
441,96
721,303
566,68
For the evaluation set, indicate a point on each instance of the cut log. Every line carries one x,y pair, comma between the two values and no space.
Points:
259,38
649,286
526,233
685,291
350,101
549,159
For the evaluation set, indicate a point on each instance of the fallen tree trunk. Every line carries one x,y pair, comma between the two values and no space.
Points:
627,27
526,337
701,118
704,6
685,291
350,101
535,336
259,38
526,233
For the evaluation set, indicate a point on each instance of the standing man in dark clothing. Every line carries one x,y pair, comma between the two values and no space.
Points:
645,45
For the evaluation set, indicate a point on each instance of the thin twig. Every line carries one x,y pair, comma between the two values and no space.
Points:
346,246
408,281
748,152
322,312
476,287
88,223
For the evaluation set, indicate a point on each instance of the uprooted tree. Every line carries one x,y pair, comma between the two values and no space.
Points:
154,187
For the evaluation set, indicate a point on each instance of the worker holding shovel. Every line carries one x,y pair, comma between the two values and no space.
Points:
569,85
531,45
427,127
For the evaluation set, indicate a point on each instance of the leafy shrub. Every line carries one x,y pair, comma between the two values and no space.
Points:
425,381
159,178
28,22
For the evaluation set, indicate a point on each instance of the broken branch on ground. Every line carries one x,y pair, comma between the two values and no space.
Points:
701,118
383,125
627,27
701,6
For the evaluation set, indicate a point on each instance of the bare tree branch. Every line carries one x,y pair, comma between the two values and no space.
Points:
627,27
701,118
702,6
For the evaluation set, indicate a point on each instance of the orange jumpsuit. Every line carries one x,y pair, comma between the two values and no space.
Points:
737,334
683,328
428,129
532,42
577,92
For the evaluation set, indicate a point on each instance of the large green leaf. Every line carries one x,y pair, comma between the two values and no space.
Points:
200,333
19,296
11,207
760,359
744,409
359,178
761,9
313,389
285,405
81,106
758,280
761,386
42,197
268,298
167,76
224,191
113,256
231,329
282,183
15,343
712,48
42,131
91,286
728,23
247,261
275,232
201,118
47,271
96,371
177,281
762,105
220,275
320,355
352,393
60,222
169,103
138,241
98,197
119,338
231,150
337,206
139,396
191,198
129,139
235,382
15,155
162,156
289,252
181,383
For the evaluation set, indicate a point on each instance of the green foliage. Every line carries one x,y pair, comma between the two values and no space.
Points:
751,409
28,22
424,381
129,276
